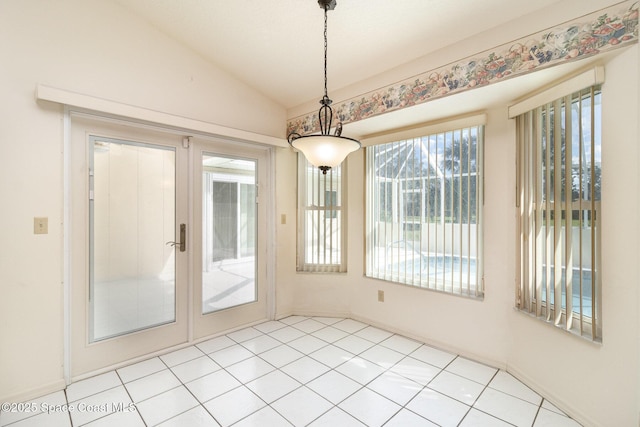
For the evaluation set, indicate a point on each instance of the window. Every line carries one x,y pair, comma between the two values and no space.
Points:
321,218
424,199
559,193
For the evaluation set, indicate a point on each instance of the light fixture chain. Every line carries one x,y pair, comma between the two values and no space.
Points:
324,150
326,95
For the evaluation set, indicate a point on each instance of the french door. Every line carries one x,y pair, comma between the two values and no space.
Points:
230,274
165,240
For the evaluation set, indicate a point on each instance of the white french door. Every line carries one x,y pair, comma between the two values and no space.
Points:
230,233
165,240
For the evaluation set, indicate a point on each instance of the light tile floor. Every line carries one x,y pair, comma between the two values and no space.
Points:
297,371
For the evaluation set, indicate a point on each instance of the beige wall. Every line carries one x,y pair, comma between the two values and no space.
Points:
600,382
409,310
96,48
596,383
74,45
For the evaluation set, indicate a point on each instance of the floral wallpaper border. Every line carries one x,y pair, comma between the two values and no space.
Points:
607,29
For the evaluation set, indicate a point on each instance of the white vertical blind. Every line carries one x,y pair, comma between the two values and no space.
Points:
424,211
559,171
321,218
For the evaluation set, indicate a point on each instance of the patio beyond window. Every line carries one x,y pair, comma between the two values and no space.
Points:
559,202
424,200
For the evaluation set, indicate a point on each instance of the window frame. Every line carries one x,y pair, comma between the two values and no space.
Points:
433,140
537,137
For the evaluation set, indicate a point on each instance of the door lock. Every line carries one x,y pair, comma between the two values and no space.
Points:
182,244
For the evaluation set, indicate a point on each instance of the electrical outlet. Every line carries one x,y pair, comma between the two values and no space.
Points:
40,225
380,296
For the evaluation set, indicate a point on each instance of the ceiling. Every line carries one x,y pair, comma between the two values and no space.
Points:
276,46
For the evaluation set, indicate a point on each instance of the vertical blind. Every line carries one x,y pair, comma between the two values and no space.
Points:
424,215
322,218
559,193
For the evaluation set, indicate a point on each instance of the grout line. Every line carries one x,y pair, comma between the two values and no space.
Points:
126,390
465,415
378,369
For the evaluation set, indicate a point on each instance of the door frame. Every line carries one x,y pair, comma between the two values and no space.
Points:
67,240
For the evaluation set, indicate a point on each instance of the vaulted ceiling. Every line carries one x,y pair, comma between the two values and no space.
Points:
276,46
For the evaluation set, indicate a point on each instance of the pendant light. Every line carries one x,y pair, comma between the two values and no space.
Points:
324,150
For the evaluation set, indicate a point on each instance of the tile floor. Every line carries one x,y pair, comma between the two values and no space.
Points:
297,371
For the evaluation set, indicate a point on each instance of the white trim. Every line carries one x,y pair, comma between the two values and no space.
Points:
34,392
73,99
588,78
551,395
119,114
271,240
158,353
426,340
425,129
190,246
66,245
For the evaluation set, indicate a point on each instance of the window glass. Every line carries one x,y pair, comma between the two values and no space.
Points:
424,211
560,171
322,218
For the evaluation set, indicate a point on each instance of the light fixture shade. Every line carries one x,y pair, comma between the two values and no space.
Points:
325,150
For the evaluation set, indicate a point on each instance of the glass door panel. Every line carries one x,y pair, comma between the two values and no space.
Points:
132,217
129,281
229,232
165,251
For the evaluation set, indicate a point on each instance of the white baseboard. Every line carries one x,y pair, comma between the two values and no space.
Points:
343,315
552,397
35,393
498,364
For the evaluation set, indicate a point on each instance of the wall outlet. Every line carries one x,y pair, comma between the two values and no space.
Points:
380,296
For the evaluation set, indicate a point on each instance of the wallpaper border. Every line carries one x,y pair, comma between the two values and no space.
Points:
589,35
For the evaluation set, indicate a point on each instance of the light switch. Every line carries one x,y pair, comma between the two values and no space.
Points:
283,219
40,225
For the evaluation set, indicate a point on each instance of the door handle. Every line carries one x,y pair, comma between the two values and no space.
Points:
182,244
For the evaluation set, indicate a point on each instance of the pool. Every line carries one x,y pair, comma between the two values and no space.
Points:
575,300
435,267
